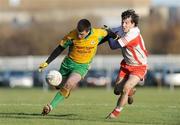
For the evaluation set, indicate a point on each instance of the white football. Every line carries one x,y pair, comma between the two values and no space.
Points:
53,78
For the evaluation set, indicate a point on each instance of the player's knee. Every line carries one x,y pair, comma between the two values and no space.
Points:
57,87
65,92
69,85
117,90
126,89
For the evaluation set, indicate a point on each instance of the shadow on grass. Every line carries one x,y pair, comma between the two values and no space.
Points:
22,115
73,117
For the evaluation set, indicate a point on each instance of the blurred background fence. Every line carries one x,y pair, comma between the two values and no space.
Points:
23,71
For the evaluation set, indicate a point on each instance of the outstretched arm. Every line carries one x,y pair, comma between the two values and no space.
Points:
113,44
55,53
112,38
52,56
104,40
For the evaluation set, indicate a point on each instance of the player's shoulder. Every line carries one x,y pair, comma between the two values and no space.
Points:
72,34
99,31
135,29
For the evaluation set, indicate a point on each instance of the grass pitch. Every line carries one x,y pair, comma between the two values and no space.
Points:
86,106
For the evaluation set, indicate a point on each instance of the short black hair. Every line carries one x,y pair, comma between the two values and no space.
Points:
83,25
130,13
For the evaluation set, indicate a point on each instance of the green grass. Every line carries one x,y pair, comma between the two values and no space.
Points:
152,106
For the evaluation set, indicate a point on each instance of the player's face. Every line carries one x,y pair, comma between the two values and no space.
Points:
82,35
127,24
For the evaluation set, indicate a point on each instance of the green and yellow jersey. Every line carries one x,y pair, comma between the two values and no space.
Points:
83,50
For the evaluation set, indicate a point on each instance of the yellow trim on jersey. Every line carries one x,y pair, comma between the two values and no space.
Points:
83,50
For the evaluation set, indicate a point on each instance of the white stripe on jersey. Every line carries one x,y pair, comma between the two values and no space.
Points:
126,38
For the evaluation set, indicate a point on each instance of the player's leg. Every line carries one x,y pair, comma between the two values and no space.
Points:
63,92
130,95
74,73
78,72
121,80
71,83
129,85
136,74
118,89
122,100
65,71
139,71
57,98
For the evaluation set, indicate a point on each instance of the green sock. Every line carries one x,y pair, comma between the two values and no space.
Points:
58,98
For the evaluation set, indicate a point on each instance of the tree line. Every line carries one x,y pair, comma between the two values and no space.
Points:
41,38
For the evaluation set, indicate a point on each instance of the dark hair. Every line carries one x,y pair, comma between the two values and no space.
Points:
83,25
130,13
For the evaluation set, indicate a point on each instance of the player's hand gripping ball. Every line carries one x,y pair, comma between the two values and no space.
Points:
53,78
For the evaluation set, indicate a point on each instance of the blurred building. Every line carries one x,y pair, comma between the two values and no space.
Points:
168,15
174,13
107,11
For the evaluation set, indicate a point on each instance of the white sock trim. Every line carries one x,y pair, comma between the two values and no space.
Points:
51,107
117,109
120,109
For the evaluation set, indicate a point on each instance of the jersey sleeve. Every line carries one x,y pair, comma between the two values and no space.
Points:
113,44
132,34
67,40
101,34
